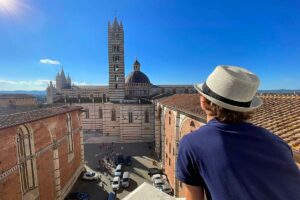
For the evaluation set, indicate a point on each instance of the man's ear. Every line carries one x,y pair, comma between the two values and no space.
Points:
203,103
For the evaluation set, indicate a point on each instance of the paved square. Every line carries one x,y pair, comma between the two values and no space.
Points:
142,159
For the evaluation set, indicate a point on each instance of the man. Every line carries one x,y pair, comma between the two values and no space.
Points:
229,158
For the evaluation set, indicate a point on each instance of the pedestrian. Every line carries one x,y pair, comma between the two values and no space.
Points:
229,158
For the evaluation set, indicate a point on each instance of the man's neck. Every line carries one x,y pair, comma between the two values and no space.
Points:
209,117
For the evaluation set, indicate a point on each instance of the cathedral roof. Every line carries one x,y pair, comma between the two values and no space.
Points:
137,77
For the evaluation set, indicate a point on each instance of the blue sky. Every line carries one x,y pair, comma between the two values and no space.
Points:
176,42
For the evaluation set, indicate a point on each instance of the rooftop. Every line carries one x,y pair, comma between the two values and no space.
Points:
16,96
280,113
9,120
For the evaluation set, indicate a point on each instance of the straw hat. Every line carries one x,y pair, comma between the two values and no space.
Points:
231,87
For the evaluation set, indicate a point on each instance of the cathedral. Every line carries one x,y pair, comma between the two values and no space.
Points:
125,107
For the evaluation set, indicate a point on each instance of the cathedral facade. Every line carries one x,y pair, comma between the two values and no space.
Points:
124,108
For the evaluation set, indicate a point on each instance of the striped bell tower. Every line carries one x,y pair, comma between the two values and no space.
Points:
116,61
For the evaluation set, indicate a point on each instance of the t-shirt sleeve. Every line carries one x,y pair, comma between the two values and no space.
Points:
186,167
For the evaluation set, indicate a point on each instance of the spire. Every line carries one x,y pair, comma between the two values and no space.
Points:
62,73
115,24
136,65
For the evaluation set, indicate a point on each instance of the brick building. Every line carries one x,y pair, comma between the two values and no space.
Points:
42,153
180,114
17,100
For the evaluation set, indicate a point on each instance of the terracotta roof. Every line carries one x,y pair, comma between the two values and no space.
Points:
16,96
10,120
188,103
280,113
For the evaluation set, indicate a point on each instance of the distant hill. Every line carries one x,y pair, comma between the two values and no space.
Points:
281,91
33,92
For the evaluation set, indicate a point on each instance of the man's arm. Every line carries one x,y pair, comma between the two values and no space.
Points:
194,192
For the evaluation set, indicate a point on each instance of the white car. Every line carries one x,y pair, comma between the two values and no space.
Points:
118,171
91,176
159,176
166,188
158,182
116,183
125,180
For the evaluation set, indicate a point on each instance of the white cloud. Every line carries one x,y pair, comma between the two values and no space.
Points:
40,84
50,62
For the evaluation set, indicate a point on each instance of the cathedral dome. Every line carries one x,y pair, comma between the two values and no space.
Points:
137,77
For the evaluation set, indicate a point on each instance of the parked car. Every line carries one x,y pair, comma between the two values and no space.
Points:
128,161
125,180
78,196
118,171
158,183
116,183
152,171
91,176
166,188
111,196
159,176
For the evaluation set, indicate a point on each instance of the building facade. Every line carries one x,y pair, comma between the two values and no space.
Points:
42,153
16,100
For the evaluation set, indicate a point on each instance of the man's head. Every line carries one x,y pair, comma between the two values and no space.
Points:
229,94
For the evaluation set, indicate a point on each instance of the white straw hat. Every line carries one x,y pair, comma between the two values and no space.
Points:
231,87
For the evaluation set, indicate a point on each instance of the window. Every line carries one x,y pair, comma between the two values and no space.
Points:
192,124
104,98
87,114
169,161
100,113
116,68
70,134
116,78
115,48
169,120
166,155
146,116
170,148
116,58
130,117
27,160
113,115
173,151
116,86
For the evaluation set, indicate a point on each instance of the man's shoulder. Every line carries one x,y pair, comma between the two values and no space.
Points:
201,133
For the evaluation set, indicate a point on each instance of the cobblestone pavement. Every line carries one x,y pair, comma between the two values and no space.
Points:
142,159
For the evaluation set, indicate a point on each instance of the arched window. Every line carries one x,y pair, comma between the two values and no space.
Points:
27,160
113,115
130,117
104,98
146,116
70,134
116,68
192,124
100,113
87,114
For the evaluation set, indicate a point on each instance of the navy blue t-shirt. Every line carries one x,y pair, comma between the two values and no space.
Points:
238,161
